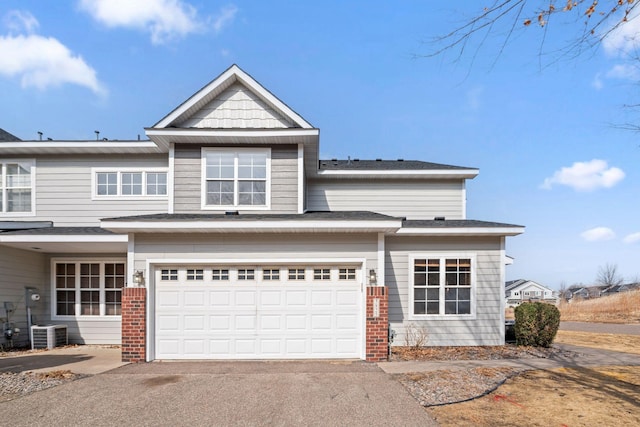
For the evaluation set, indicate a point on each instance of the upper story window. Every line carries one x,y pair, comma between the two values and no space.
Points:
236,178
121,183
17,186
442,285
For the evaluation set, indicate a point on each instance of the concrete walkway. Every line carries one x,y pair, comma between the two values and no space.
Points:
84,359
571,356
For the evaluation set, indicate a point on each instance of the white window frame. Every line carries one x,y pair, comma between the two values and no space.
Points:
442,256
235,151
3,186
77,289
119,195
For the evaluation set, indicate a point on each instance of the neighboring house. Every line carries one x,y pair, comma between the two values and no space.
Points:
615,289
519,291
225,236
584,292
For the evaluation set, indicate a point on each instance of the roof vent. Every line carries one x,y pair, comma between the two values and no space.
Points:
401,160
334,160
232,213
356,160
378,160
439,218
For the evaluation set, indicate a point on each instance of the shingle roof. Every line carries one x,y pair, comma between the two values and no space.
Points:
308,216
452,223
61,231
357,164
7,137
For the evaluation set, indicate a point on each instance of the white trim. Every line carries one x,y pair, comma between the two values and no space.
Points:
381,260
236,180
119,171
462,231
3,187
38,145
154,263
77,260
171,173
131,253
301,195
443,255
503,301
236,74
464,200
237,133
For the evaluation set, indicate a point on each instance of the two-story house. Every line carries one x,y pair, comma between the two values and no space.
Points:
522,290
224,236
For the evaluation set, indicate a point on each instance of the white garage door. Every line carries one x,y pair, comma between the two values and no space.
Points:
266,312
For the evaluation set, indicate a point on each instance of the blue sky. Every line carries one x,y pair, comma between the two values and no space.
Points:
542,136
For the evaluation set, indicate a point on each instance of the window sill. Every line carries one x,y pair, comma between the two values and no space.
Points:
236,208
87,318
442,317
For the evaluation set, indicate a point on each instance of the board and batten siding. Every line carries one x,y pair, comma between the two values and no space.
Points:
408,198
487,328
63,190
188,180
20,269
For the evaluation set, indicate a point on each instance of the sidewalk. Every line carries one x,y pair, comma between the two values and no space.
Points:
572,356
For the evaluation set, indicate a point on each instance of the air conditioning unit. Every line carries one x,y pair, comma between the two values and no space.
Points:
48,336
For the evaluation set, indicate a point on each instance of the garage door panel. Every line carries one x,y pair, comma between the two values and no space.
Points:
206,319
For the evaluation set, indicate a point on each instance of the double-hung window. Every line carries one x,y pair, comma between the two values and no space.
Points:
442,285
16,186
126,184
235,178
88,288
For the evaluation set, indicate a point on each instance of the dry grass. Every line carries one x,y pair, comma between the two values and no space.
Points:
618,308
614,342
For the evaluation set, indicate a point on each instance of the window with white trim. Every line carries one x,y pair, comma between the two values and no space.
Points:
442,285
246,274
296,274
347,274
129,183
321,274
88,288
16,186
195,274
270,274
168,274
219,274
234,178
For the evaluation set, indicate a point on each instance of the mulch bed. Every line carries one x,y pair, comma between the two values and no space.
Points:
471,353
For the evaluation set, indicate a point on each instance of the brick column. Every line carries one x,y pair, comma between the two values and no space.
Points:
377,327
134,324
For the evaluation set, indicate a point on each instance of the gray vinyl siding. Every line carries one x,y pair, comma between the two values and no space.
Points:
64,193
487,328
408,198
188,180
88,329
252,248
20,269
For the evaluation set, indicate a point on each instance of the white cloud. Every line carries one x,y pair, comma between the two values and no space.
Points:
226,16
474,98
624,72
21,21
632,238
598,234
624,39
597,83
42,62
165,20
586,176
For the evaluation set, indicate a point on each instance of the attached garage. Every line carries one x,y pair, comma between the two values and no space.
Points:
258,312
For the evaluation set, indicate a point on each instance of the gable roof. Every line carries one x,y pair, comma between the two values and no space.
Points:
6,136
458,227
356,168
233,75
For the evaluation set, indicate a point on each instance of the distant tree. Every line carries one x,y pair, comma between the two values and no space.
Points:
562,291
608,275
594,21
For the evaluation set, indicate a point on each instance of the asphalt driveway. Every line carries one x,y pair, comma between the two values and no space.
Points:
225,393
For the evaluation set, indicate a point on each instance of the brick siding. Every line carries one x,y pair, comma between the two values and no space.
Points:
134,324
377,346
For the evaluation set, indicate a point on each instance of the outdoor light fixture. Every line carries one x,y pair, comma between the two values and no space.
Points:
373,278
138,277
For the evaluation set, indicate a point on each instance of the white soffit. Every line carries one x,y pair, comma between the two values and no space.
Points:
399,173
461,231
80,147
66,243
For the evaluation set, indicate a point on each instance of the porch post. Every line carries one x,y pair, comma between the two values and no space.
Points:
377,312
134,327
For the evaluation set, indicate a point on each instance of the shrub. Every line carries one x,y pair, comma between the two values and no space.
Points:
536,324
